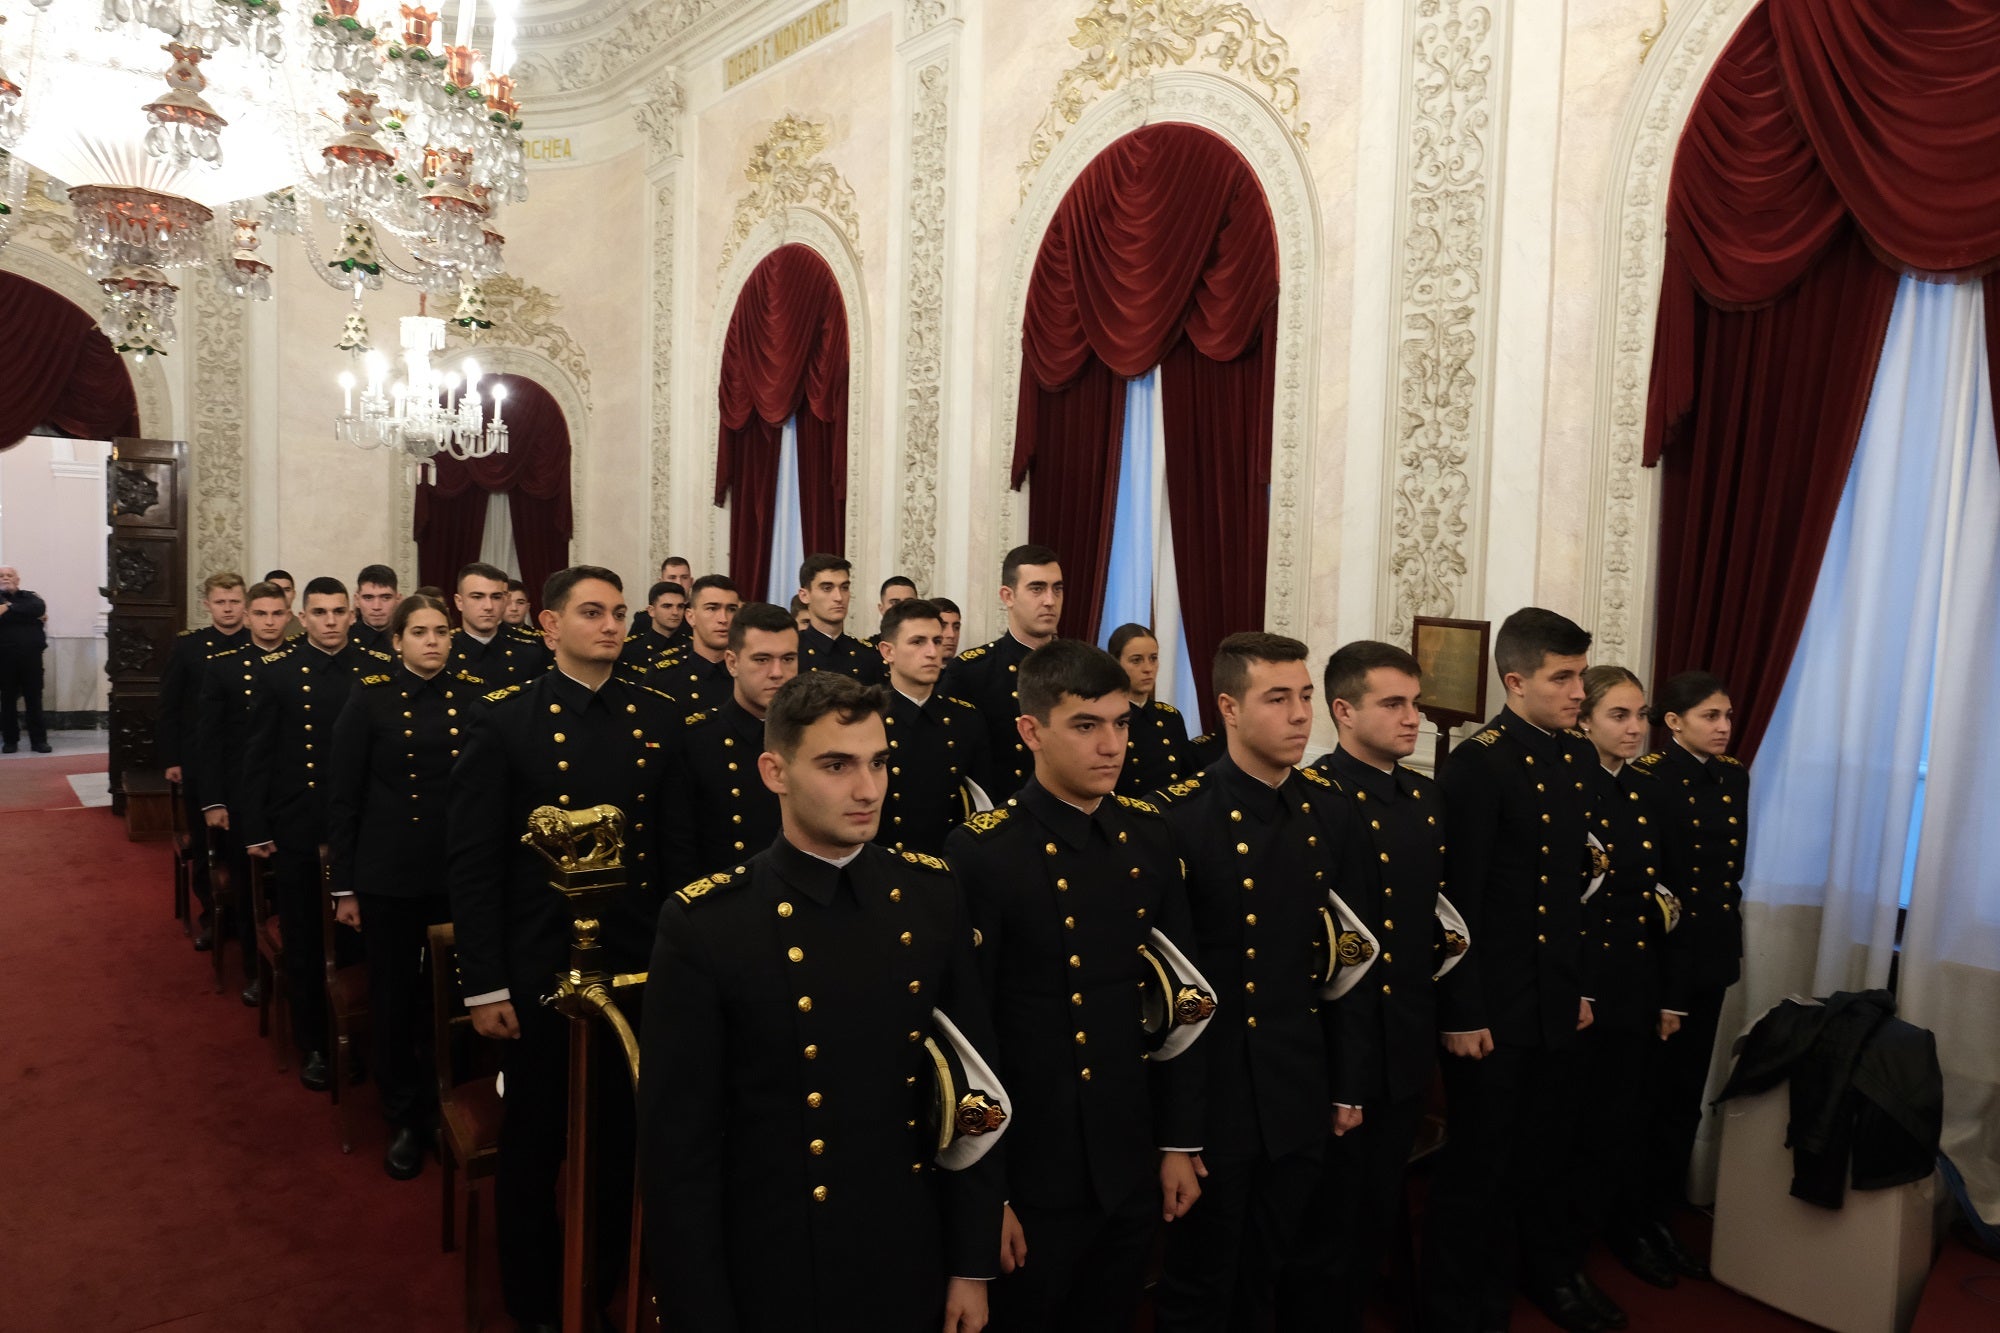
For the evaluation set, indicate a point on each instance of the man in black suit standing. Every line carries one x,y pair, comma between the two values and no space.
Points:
23,638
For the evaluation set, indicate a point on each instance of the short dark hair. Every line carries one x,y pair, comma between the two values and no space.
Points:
326,585
678,560
409,606
262,588
273,575
662,588
911,608
430,590
1029,554
1124,635
810,696
515,585
1347,669
479,569
555,593
759,616
1230,674
892,581
1531,635
1599,681
707,581
796,605
1066,667
944,604
380,575
1683,692
820,563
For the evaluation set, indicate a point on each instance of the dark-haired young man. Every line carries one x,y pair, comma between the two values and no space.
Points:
1516,867
283,579
791,1172
697,674
937,768
726,813
896,588
177,735
953,620
374,603
515,614
1268,847
483,646
1386,1049
825,585
662,630
1031,588
676,569
1077,896
296,697
574,737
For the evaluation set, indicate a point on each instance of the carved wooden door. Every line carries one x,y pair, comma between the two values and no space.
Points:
148,571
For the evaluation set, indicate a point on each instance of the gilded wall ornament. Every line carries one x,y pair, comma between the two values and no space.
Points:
1127,40
783,172
523,315
642,34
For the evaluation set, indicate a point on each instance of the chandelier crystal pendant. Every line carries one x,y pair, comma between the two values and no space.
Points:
428,411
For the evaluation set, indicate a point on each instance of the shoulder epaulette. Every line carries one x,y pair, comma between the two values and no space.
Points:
1648,760
224,652
467,677
699,715
926,860
1314,775
1166,708
504,692
701,888
1488,736
380,679
987,820
1206,738
184,633
377,653
642,685
971,654
962,703
1134,803
1185,787
1730,760
1578,735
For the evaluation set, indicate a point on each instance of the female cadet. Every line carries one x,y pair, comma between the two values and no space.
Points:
1156,751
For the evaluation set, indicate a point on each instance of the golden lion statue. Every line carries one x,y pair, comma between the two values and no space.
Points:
592,839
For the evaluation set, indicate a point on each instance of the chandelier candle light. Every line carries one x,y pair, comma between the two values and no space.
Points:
426,413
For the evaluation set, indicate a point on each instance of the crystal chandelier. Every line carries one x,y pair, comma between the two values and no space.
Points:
425,413
180,127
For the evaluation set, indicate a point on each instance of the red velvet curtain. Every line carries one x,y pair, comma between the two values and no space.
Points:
533,478
785,354
1161,254
61,370
1836,143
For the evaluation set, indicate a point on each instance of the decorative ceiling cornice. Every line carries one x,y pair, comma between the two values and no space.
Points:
648,35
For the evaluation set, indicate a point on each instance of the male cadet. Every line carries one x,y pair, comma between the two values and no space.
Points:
573,737
178,734
1516,868
516,610
676,569
953,620
374,603
937,762
724,813
895,589
804,1004
800,615
1386,1045
283,579
227,690
1077,898
1031,588
1267,847
697,674
825,586
295,699
663,628
483,647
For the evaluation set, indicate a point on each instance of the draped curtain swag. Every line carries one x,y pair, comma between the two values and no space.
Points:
532,477
785,354
61,370
1161,254
1836,144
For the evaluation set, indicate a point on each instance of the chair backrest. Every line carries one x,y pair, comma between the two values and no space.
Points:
177,817
328,956
448,1012
260,893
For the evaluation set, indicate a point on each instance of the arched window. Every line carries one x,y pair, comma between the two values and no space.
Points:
1146,395
781,453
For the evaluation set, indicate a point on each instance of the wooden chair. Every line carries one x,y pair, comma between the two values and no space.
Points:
1430,1141
469,1113
346,1005
274,1011
223,904
184,853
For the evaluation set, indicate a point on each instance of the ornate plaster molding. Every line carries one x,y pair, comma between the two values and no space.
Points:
524,316
1126,42
657,110
1444,316
659,117
1622,538
796,225
923,318
218,427
924,15
600,59
784,174
1261,132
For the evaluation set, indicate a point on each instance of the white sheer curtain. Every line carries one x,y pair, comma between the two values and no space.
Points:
1904,628
496,536
788,541
1141,580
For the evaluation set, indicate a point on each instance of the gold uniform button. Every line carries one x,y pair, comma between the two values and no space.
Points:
905,937
1250,918
1075,961
1250,953
1069,923
796,954
805,1004
1062,886
1249,988
1076,997
819,1194
1236,816
1250,1021
916,987
1541,939
784,909
1049,847
1243,849
817,1147
1080,1038
1084,1073
812,1053
1249,883
813,1100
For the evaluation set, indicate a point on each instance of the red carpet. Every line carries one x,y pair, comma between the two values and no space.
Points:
41,782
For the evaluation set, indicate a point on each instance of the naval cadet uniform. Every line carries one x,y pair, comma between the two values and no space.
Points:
222,738
937,752
723,811
696,683
513,656
552,742
820,651
1261,861
1157,752
1516,866
176,736
987,677
1062,901
378,640
647,646
1705,807
297,694
393,749
789,1166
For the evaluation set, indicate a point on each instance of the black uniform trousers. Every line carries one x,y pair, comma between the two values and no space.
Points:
296,883
229,853
21,692
200,837
394,931
527,1211
1616,1076
1682,1075
1224,1255
1497,1195
1353,1215
1085,1269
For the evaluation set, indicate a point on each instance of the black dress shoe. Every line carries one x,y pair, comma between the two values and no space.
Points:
204,936
11,747
405,1158
1670,1248
1606,1308
1566,1308
253,993
44,748
1643,1259
312,1071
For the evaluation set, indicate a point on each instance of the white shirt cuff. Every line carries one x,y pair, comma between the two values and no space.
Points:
1348,1106
1189,1151
1677,1013
341,893
490,997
